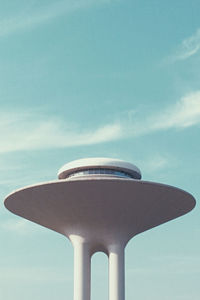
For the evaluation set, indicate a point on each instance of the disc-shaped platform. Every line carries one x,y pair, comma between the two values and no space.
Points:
104,208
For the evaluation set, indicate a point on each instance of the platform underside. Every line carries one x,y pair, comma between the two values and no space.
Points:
106,207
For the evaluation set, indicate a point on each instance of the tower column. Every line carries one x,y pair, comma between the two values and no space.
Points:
116,272
82,269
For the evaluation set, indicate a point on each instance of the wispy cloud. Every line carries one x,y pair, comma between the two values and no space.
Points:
31,132
189,47
184,113
28,20
155,163
25,132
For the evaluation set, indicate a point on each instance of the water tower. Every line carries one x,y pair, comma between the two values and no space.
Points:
99,204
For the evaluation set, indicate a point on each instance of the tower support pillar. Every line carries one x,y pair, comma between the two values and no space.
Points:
82,268
116,272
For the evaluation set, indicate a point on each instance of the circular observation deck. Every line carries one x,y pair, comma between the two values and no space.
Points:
99,166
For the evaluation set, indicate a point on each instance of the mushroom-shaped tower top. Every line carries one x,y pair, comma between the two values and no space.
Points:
99,166
100,208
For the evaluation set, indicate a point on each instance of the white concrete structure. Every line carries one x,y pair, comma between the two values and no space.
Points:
99,204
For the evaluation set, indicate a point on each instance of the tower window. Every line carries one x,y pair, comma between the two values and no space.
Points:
100,171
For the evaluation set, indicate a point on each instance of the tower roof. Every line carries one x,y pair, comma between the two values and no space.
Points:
99,162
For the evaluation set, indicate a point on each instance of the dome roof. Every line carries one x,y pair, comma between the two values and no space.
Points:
99,162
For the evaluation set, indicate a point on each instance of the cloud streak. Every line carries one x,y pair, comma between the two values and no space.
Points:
155,163
189,47
26,132
183,114
31,132
26,21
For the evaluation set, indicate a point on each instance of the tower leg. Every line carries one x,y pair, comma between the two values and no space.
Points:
116,273
82,269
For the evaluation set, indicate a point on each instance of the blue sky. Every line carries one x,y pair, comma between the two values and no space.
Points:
92,78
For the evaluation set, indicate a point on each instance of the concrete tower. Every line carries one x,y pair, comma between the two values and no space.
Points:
99,204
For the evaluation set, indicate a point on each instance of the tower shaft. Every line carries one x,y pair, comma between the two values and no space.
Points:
82,269
116,273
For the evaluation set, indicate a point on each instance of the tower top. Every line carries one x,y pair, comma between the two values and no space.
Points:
99,163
